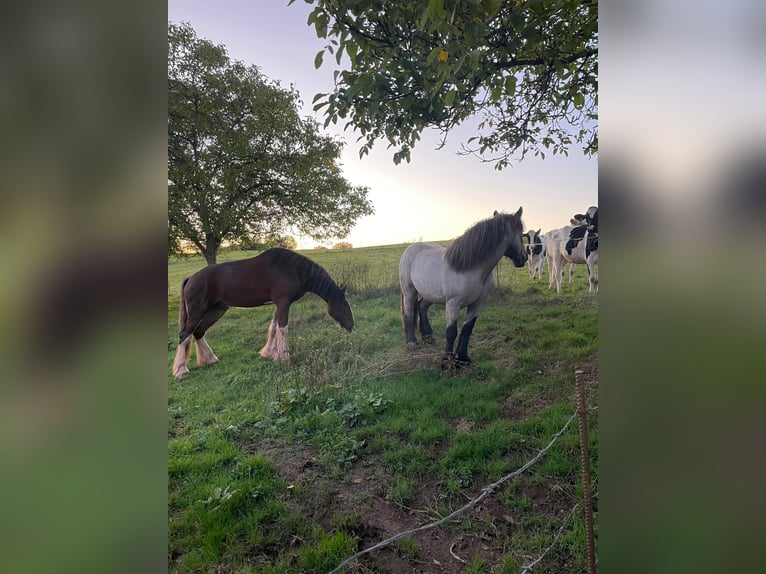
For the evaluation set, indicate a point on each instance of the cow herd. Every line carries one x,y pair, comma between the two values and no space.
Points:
571,245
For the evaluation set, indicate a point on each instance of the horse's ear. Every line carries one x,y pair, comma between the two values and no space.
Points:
538,231
518,213
495,214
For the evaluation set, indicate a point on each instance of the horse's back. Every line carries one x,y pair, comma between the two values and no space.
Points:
424,269
241,283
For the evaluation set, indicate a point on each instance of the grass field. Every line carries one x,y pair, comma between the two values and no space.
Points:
292,467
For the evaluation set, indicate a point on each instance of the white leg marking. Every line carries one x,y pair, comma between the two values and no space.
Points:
205,355
280,351
182,354
268,348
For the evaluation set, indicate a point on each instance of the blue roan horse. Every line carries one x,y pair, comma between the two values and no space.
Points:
457,276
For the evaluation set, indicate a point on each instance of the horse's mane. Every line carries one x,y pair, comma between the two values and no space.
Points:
479,242
312,275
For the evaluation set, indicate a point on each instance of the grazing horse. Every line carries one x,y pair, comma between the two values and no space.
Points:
456,276
535,254
277,276
573,244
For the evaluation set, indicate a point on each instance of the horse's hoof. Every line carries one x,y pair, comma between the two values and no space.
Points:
411,346
448,363
428,340
181,372
462,363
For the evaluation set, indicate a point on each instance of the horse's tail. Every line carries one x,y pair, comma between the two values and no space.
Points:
416,312
182,313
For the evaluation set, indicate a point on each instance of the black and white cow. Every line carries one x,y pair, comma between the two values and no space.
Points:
573,244
535,254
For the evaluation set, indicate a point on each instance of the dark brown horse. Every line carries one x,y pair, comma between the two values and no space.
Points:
277,276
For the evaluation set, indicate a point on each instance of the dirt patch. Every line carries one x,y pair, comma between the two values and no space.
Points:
517,409
178,427
437,550
462,424
293,462
357,504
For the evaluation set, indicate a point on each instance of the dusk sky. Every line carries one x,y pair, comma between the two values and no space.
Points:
439,194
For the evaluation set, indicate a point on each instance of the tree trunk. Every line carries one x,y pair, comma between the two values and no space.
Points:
211,249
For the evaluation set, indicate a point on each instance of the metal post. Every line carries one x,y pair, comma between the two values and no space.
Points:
585,464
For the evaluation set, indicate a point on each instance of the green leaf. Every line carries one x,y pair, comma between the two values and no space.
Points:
352,50
510,85
318,59
578,100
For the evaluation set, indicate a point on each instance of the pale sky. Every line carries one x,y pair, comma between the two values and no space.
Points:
436,196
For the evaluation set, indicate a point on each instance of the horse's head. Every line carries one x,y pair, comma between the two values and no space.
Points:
515,249
339,309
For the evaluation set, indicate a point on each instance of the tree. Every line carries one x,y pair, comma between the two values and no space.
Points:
241,162
529,68
288,242
343,245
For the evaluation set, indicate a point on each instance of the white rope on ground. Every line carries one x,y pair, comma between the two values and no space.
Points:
529,566
486,491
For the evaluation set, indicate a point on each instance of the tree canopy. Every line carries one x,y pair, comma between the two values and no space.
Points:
242,163
527,68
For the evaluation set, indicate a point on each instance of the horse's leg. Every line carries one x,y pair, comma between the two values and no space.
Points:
276,346
409,302
182,356
205,355
462,342
268,349
191,311
452,310
426,331
471,314
281,350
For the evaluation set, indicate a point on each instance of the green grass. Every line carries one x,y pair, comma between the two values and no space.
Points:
286,467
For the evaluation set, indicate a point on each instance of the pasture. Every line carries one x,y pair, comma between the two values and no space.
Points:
291,467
